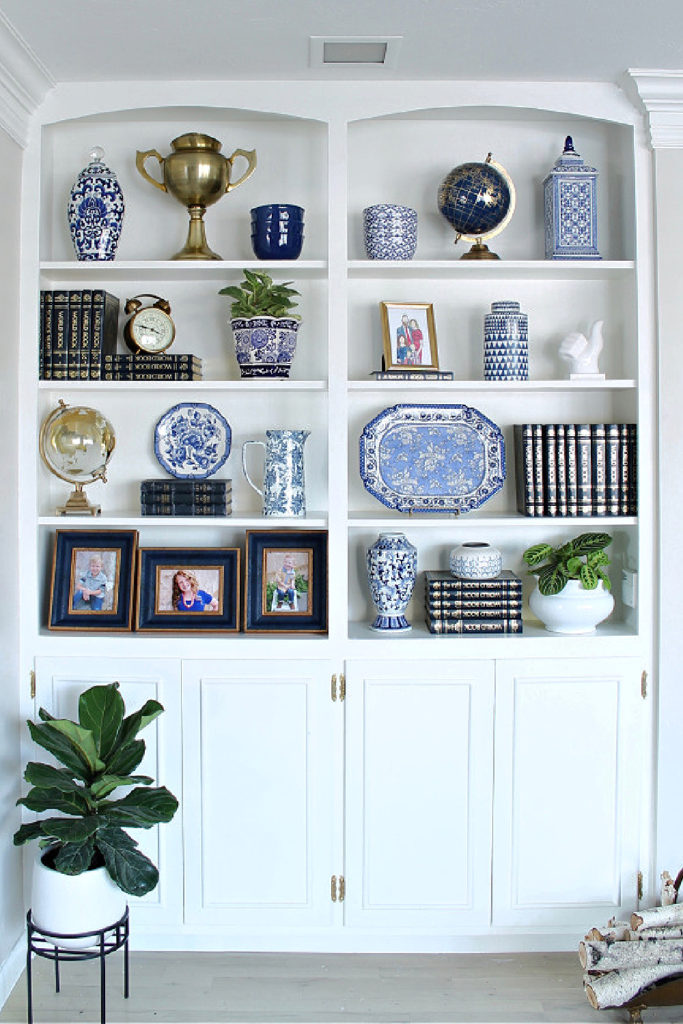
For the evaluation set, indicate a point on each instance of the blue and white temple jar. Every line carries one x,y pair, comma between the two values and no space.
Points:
506,342
95,210
570,208
475,560
392,571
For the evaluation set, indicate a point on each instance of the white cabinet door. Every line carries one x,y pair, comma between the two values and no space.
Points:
262,769
419,764
567,795
59,682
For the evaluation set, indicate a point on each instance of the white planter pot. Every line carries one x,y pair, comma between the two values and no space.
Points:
70,904
574,609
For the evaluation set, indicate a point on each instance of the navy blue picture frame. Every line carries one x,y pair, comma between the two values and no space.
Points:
156,569
262,612
74,551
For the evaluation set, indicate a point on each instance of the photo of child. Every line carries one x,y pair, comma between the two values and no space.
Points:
94,577
188,589
286,581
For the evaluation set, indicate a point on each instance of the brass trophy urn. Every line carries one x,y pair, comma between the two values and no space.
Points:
197,174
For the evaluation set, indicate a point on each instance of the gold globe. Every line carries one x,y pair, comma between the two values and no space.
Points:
76,444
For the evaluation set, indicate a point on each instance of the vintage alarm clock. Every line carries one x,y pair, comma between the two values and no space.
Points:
150,328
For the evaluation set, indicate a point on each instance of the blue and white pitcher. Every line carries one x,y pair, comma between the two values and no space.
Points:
283,478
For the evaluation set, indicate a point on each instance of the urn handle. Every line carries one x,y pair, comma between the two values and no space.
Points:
140,159
249,155
244,464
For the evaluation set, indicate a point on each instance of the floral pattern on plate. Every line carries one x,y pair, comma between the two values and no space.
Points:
192,440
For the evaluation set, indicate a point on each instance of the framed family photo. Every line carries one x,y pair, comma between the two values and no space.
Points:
286,590
92,580
194,589
409,336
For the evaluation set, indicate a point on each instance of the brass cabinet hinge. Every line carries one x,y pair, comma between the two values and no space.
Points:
32,683
643,684
340,691
337,888
342,686
640,885
333,690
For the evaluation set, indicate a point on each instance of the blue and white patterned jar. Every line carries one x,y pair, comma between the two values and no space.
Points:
265,345
570,208
95,210
506,342
475,560
392,571
390,232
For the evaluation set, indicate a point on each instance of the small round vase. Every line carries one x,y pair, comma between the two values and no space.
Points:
95,210
574,610
265,345
277,231
392,571
506,342
390,232
475,560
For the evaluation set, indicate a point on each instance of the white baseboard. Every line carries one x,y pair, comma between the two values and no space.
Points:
10,970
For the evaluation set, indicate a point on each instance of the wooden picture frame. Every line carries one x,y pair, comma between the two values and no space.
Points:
286,581
92,580
409,336
188,589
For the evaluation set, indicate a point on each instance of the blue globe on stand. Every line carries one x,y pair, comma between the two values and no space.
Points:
478,200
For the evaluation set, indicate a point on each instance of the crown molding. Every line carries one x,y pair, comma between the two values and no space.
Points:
24,82
661,93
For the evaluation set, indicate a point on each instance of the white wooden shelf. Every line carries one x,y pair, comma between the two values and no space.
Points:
498,269
477,521
134,520
499,387
170,270
243,387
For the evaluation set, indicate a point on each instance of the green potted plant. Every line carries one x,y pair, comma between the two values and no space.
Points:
572,593
263,324
87,861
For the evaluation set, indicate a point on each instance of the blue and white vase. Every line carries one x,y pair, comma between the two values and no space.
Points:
506,342
475,560
95,210
390,232
392,571
284,490
570,208
265,345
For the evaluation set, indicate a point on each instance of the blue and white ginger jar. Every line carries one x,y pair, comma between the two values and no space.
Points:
95,211
506,342
570,208
392,571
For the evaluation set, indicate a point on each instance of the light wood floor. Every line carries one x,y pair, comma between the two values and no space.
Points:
313,987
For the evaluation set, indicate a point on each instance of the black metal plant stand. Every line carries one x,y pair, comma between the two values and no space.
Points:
104,941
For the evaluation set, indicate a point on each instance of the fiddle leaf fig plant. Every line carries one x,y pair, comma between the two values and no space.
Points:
258,295
99,753
583,558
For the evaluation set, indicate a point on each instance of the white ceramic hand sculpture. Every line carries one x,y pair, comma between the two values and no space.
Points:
582,352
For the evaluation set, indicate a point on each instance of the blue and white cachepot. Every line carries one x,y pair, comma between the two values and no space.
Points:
390,232
284,489
475,560
95,210
392,571
506,342
265,345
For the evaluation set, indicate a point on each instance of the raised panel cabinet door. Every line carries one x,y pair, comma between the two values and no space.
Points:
59,682
419,773
262,766
567,793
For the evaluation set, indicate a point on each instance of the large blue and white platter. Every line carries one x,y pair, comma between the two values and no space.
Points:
192,440
432,458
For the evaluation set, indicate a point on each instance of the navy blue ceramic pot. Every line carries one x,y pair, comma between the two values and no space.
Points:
277,231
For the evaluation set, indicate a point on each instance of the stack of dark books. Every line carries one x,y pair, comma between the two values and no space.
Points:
469,607
186,497
576,469
164,366
77,329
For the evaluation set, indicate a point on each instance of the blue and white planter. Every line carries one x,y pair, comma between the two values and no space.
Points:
390,232
475,560
95,211
265,345
392,571
506,342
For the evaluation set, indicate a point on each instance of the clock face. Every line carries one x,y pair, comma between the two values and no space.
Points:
152,330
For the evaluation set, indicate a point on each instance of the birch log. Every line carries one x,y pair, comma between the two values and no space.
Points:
658,916
616,931
618,987
673,931
669,892
609,956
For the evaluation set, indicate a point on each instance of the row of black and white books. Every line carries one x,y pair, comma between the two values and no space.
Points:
177,497
144,366
576,469
463,607
78,327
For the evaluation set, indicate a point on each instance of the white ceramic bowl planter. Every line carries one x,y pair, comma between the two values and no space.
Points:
71,904
574,610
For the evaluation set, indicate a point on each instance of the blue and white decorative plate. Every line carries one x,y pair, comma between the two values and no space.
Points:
432,458
192,440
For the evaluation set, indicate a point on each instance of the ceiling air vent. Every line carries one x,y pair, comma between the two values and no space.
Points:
380,51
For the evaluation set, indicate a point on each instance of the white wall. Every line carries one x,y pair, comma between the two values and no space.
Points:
11,899
669,216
